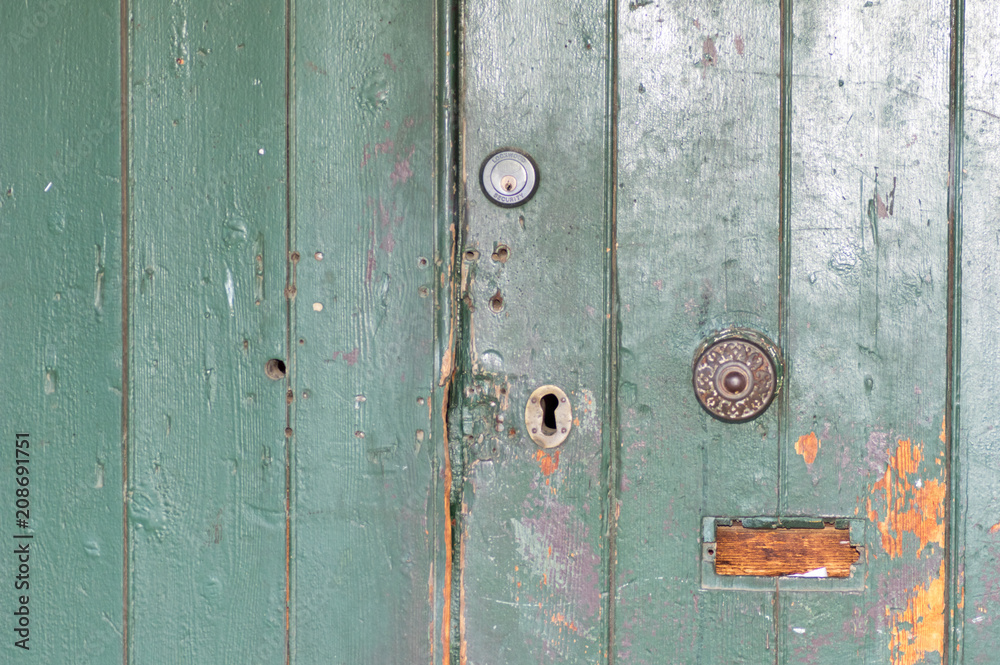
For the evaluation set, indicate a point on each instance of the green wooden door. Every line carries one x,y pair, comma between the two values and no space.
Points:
267,346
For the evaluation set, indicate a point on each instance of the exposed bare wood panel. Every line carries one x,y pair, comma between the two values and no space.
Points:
779,552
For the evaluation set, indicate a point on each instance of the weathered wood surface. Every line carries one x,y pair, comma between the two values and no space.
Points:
368,548
533,523
867,320
258,129
60,329
777,552
979,445
206,272
697,232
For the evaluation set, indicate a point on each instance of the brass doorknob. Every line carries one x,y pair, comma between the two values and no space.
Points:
736,374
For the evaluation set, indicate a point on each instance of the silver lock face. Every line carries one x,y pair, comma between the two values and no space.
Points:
509,177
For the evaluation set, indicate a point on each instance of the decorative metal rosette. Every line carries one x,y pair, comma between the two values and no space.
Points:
736,375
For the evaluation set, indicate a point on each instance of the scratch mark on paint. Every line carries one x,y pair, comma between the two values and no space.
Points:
388,61
556,547
808,446
738,42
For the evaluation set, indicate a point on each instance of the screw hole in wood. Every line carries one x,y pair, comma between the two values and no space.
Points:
275,369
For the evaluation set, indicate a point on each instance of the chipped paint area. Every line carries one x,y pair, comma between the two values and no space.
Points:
911,503
808,446
906,500
919,629
548,462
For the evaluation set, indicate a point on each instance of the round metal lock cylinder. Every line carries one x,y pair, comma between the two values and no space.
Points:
509,177
548,416
737,373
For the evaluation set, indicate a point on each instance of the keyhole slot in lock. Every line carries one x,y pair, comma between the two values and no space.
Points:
549,404
548,416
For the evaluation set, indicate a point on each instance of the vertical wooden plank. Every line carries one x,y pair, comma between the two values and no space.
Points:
206,490
534,579
867,319
368,502
698,252
980,289
60,220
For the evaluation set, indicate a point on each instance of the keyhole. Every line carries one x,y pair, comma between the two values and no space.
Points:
508,182
549,405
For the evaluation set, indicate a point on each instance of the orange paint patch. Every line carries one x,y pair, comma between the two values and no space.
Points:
808,446
560,620
995,528
549,462
911,502
915,507
919,629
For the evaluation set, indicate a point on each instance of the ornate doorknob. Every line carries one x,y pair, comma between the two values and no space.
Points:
737,373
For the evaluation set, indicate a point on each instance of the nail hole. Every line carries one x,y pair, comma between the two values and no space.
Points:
295,257
288,432
422,262
496,302
275,369
318,256
471,255
502,254
549,405
711,552
420,401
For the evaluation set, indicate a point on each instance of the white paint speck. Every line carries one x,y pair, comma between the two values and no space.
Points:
260,152
317,307
48,187
800,631
818,572
230,289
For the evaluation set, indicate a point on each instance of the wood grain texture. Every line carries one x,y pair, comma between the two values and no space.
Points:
698,252
777,552
368,503
867,319
60,330
979,446
534,580
206,486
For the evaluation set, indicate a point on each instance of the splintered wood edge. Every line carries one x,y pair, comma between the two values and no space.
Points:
780,552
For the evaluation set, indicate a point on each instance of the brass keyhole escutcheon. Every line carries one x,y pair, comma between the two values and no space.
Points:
736,375
548,416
